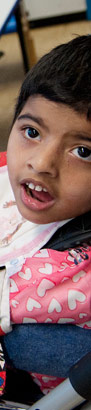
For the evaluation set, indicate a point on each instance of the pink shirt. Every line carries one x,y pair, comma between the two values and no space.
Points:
52,287
46,286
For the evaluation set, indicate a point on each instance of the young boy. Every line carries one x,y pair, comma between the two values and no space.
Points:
49,167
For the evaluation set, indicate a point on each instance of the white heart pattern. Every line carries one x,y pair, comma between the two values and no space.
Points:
25,275
54,305
79,275
75,296
43,253
81,315
65,278
32,303
29,320
87,323
43,286
66,320
13,286
47,270
14,303
63,266
48,320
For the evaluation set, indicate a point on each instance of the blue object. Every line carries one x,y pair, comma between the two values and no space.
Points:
88,9
46,348
7,17
11,26
1,381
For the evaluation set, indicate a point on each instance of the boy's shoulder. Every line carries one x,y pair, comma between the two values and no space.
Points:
3,158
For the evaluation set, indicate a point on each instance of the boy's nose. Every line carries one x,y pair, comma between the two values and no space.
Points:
44,160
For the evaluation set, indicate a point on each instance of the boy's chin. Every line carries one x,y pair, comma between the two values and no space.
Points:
34,217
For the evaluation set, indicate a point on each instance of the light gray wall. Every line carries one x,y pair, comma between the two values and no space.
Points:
39,9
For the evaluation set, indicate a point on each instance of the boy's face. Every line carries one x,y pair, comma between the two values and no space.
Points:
49,161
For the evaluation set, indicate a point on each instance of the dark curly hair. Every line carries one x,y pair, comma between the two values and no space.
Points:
63,75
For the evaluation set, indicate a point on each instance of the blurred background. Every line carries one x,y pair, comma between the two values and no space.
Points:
32,28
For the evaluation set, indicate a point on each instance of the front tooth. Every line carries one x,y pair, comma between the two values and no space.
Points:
38,188
31,185
45,190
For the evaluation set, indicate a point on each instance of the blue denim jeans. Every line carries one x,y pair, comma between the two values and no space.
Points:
46,348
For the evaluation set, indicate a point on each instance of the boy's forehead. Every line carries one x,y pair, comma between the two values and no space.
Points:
38,103
46,112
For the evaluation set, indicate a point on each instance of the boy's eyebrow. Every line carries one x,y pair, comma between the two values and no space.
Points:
38,120
85,138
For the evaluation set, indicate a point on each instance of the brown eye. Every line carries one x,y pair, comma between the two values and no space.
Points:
83,153
31,133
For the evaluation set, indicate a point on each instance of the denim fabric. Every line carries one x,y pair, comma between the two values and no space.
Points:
46,348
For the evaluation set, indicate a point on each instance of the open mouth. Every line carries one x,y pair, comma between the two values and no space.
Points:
35,196
38,193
